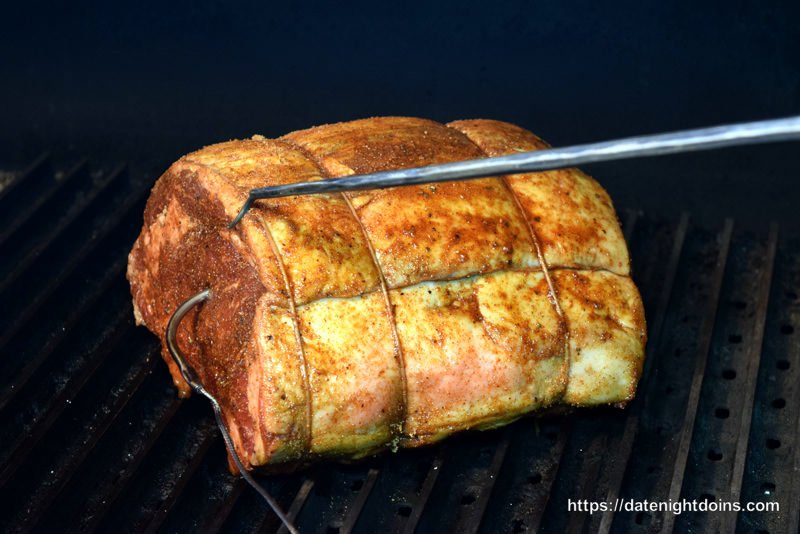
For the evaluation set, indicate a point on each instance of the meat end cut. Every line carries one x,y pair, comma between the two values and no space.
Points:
343,324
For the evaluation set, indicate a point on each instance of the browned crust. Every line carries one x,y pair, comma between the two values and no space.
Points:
216,336
371,242
571,213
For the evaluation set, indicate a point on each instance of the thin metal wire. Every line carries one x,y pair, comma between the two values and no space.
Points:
746,133
193,380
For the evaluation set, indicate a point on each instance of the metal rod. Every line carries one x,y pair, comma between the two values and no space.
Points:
746,133
192,379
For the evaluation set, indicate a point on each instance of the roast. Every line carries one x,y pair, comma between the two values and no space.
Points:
341,325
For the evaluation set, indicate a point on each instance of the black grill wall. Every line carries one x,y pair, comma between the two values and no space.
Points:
153,80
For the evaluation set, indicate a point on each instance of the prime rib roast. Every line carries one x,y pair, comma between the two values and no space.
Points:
343,324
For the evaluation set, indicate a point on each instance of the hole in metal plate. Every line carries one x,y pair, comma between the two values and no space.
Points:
778,403
534,478
728,374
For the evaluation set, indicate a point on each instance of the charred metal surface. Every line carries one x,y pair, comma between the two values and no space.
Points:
97,439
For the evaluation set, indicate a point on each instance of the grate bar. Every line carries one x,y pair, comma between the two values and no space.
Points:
112,490
219,517
358,504
297,504
158,518
772,473
111,411
72,291
470,522
590,470
601,471
12,219
58,403
794,496
41,243
664,299
79,255
794,511
221,514
35,172
754,348
216,519
33,363
625,446
545,488
425,492
701,361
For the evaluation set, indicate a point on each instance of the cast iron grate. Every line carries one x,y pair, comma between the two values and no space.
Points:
95,438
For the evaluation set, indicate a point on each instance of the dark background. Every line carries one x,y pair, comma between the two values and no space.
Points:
150,81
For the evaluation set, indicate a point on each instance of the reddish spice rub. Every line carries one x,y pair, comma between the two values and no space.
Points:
570,212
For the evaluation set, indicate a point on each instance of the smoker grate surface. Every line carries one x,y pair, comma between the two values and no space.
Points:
96,438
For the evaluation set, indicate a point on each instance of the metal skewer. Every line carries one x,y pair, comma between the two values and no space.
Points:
193,380
746,133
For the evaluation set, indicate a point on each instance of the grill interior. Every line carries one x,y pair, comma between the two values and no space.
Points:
95,437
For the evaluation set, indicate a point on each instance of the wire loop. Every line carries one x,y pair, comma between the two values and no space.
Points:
193,380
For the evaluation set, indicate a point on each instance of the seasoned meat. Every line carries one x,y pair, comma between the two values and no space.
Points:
343,324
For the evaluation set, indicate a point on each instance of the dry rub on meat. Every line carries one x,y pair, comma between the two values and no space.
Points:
340,325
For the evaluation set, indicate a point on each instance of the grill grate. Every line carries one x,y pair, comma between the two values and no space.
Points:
98,439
